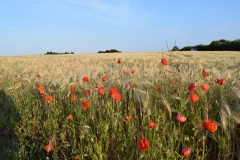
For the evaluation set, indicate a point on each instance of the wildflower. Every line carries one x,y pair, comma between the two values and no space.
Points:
88,92
158,85
222,81
132,71
192,87
113,90
205,73
47,99
85,79
104,78
73,98
143,144
41,91
131,85
164,61
98,85
49,148
205,87
100,91
119,61
194,97
72,90
210,125
171,80
40,87
70,116
186,152
152,124
180,118
116,96
76,157
128,118
85,104
216,80
38,76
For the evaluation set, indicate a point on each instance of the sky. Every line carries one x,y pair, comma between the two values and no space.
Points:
29,27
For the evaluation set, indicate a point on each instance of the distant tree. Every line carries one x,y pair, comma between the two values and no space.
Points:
72,52
175,48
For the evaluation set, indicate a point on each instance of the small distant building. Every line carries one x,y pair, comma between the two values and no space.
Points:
194,49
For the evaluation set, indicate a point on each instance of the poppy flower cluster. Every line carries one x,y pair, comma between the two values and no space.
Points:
210,125
192,87
220,81
114,94
47,99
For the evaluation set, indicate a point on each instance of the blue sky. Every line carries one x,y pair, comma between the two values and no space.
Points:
88,26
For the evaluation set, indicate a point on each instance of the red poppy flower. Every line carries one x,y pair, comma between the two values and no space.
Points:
85,79
113,90
205,87
143,144
180,118
119,61
152,124
76,157
171,80
41,91
205,73
128,118
104,78
40,87
72,90
194,97
100,91
222,81
88,92
98,85
164,61
216,80
85,104
192,87
186,152
70,116
116,96
158,85
210,125
47,99
49,148
131,85
73,98
132,71
38,76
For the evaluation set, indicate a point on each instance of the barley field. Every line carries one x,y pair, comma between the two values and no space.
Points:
123,106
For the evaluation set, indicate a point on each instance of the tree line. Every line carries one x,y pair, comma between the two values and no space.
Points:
219,45
110,51
53,53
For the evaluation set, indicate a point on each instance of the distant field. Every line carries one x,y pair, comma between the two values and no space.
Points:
63,106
